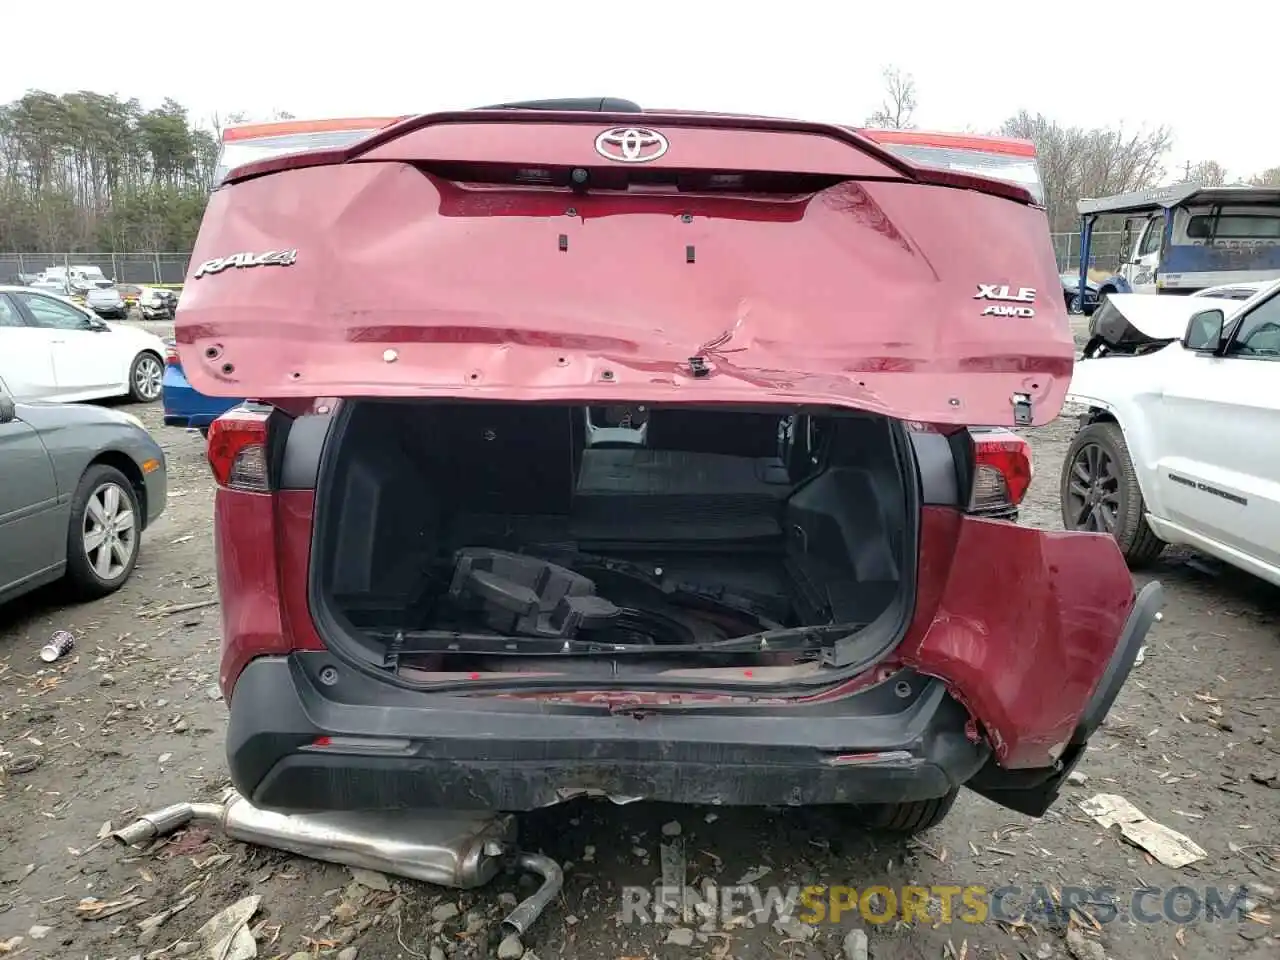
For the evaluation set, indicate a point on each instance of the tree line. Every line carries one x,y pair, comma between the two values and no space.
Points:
91,172
1076,161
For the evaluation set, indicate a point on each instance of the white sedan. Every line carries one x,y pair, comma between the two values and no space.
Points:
52,349
1178,444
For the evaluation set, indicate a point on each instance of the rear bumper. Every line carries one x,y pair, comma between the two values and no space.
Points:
297,743
1034,791
392,748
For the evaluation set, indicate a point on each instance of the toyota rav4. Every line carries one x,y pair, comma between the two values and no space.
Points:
644,470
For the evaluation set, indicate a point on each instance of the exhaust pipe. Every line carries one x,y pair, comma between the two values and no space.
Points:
446,848
521,918
449,849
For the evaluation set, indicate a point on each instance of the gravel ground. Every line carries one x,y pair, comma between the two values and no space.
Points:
132,721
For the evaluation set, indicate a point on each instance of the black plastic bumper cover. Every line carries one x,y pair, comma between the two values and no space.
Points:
392,748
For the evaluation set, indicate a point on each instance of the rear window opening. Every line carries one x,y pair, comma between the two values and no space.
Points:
464,541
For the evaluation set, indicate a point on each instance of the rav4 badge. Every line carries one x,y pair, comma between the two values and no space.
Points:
996,291
279,258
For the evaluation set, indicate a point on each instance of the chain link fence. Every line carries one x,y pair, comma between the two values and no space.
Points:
1106,251
127,268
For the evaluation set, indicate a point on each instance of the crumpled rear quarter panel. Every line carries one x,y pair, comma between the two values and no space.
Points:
1020,622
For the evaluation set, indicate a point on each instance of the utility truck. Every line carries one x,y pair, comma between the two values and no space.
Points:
1186,237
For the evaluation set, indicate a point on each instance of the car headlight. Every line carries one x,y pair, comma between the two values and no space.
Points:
130,418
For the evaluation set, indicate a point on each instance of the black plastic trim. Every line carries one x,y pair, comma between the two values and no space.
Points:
939,483
440,750
279,427
301,464
1146,608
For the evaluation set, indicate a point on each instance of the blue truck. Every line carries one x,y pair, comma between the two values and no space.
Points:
1186,237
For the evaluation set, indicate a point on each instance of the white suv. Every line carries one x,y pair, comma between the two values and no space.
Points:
1178,444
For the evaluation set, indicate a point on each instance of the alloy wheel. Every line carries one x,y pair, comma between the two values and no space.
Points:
110,532
147,377
1093,493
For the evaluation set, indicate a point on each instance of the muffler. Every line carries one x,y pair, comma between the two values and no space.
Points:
447,848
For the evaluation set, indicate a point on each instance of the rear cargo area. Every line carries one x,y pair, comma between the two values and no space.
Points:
514,537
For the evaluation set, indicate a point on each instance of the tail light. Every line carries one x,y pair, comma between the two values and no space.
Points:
1002,472
171,358
312,142
1000,158
237,450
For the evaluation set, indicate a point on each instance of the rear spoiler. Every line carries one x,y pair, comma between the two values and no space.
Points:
542,134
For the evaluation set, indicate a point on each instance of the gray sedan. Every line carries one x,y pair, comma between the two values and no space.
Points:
78,485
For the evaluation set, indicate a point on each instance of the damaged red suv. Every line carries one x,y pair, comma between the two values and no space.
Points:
626,454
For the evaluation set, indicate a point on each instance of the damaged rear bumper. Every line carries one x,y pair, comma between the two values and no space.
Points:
296,744
1034,791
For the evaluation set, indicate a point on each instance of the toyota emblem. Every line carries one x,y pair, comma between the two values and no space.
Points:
631,144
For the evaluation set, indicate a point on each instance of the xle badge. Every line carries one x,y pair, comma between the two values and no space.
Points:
277,258
996,291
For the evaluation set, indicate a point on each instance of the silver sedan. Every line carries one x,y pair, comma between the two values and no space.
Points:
78,485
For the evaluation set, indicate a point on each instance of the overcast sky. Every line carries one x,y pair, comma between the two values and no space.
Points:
975,63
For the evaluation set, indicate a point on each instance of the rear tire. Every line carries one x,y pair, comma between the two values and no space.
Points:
105,517
910,817
1099,491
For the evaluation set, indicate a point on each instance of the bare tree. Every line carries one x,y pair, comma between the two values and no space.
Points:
1207,172
899,104
220,122
1267,178
1076,162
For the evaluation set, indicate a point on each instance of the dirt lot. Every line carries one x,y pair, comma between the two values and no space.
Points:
133,721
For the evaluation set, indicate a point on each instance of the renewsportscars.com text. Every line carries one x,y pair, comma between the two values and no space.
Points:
971,904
